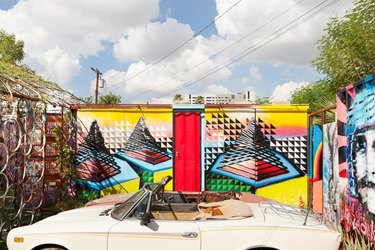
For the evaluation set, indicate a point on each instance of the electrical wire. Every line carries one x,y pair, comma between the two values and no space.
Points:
178,47
175,77
275,35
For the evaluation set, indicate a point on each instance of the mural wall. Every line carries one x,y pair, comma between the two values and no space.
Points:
316,167
121,149
262,149
356,142
332,187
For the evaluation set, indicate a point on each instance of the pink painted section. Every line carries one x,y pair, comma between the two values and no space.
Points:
342,114
317,197
342,140
351,91
287,131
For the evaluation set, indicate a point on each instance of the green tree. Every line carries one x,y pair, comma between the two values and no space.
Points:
317,95
199,100
345,55
11,50
263,100
348,47
110,98
178,98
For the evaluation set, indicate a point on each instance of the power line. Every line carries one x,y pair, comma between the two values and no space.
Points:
275,35
178,47
253,48
221,51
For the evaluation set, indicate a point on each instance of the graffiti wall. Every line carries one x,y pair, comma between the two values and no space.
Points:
261,150
356,142
332,187
121,149
316,166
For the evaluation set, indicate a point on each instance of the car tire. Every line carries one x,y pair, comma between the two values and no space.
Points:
50,247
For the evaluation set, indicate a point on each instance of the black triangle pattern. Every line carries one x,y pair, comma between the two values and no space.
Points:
294,148
231,128
140,138
93,160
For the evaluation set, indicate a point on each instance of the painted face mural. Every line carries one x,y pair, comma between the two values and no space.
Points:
364,162
356,136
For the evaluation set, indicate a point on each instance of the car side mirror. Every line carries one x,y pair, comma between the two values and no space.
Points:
145,219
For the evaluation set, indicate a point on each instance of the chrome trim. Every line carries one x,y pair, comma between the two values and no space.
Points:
189,234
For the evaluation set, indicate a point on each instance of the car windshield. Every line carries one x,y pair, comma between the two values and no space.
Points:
119,212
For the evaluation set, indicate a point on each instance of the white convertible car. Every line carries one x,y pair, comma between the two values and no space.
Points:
154,219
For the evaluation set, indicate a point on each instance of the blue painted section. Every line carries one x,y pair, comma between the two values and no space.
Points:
188,107
148,166
292,172
126,174
203,142
315,139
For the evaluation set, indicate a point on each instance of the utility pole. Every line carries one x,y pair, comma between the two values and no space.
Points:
98,74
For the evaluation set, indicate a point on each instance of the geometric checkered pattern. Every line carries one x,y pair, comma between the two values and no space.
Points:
294,148
93,161
221,183
142,146
221,132
115,137
161,137
251,159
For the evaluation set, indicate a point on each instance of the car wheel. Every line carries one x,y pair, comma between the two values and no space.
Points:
50,247
53,248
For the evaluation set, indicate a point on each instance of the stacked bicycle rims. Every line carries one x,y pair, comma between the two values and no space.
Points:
22,142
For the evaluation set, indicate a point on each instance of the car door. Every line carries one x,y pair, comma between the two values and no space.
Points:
155,234
158,234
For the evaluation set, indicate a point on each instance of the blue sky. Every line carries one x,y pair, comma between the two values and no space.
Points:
125,38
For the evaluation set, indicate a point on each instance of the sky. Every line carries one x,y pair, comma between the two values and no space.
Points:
149,50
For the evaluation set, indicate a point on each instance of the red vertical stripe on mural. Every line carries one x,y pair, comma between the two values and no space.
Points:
187,145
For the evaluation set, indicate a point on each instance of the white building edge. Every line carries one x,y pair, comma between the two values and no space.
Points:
233,98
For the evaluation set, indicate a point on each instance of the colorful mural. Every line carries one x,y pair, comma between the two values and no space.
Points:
356,139
119,150
331,181
261,150
315,167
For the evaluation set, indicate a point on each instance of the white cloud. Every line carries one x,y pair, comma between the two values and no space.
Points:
77,28
112,79
58,65
216,89
164,100
295,47
58,34
254,73
150,43
282,93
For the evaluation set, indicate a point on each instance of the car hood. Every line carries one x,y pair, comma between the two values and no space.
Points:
78,215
